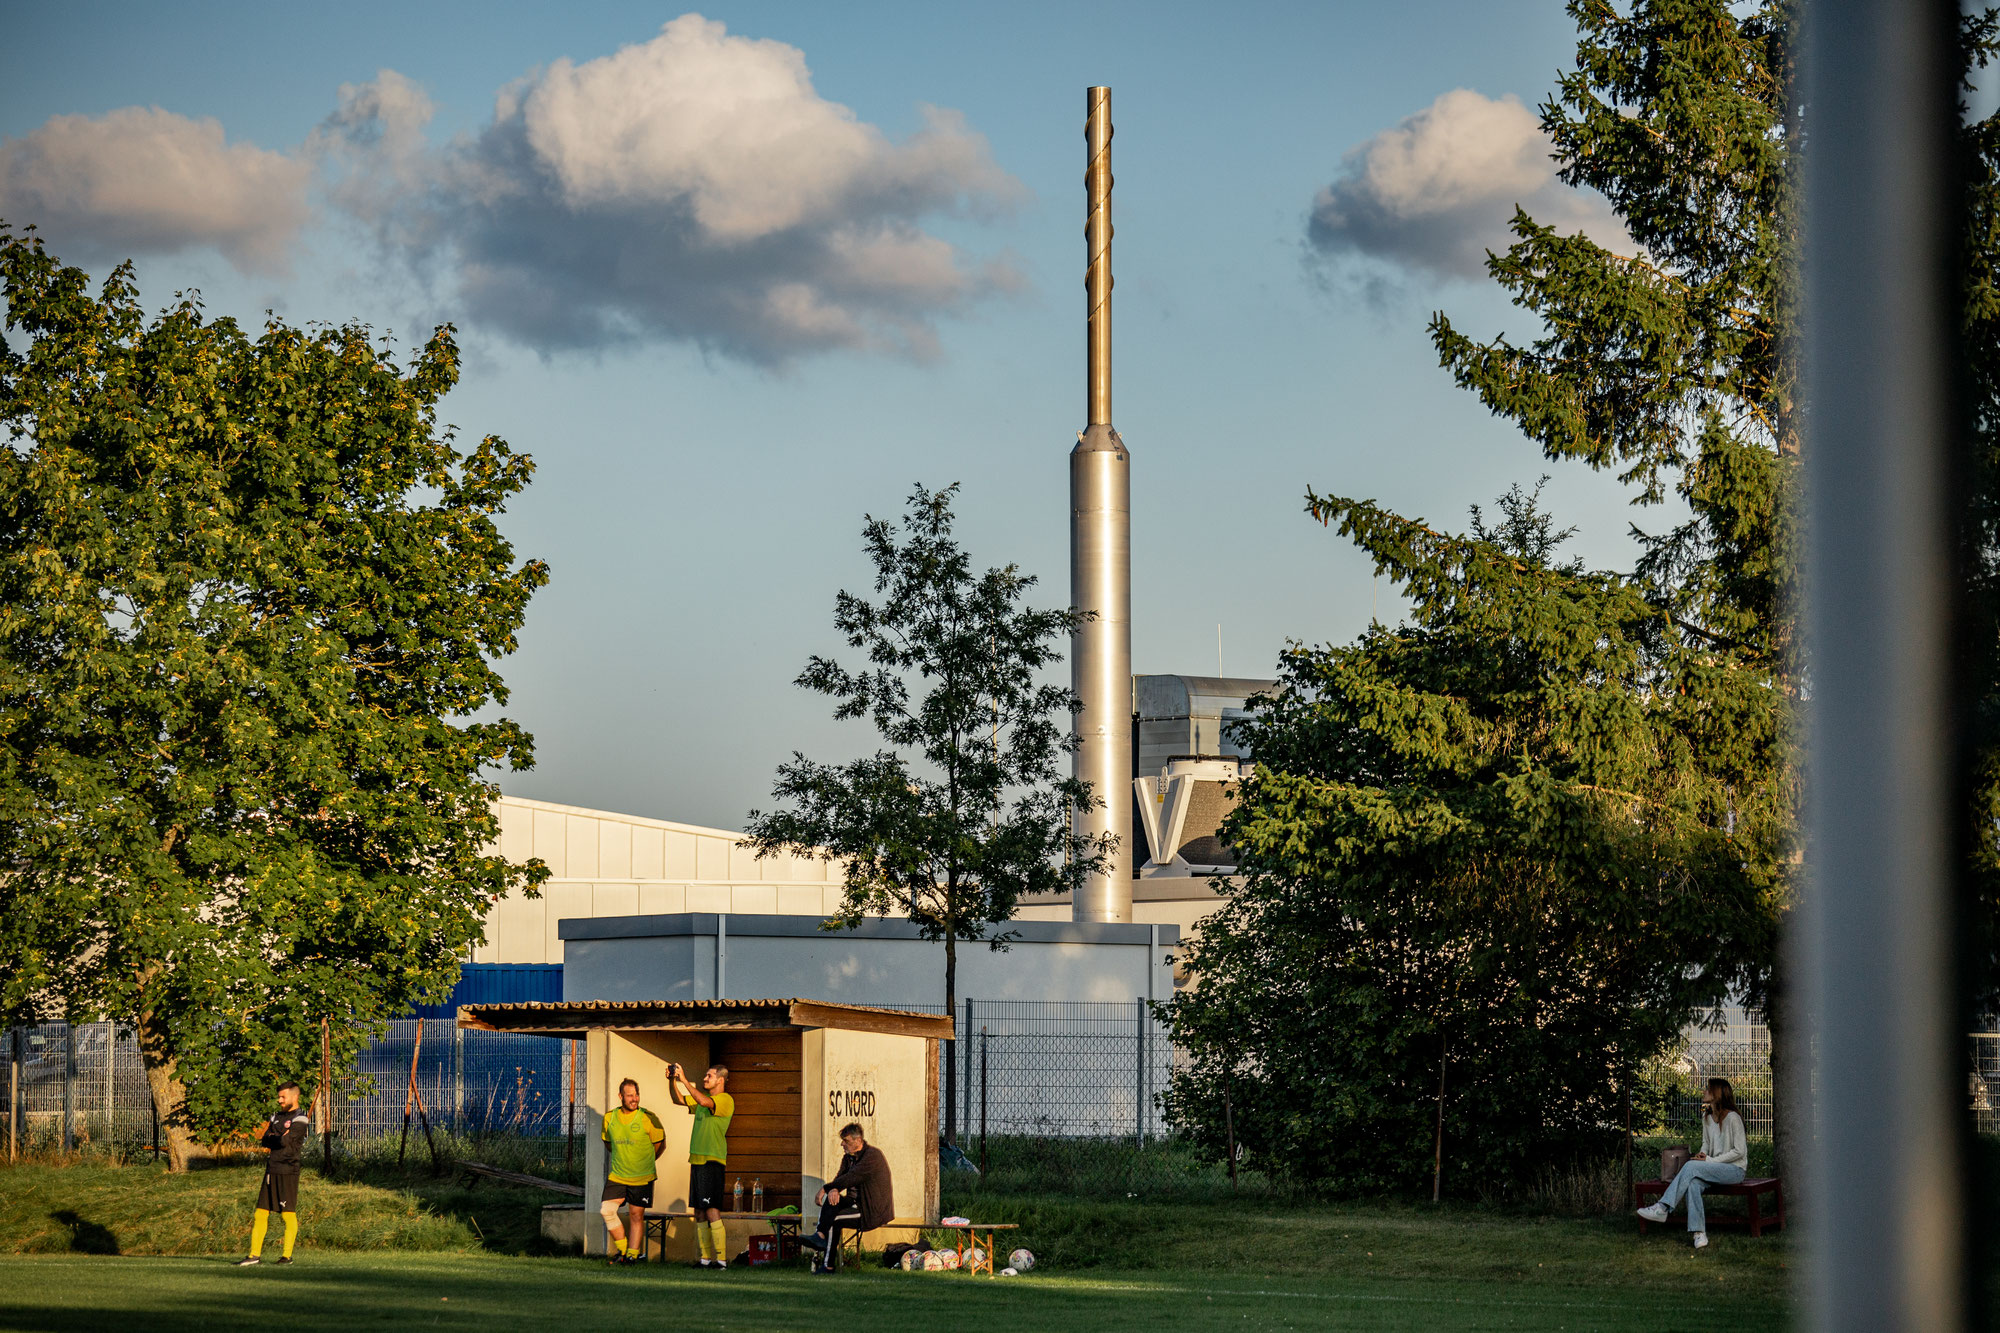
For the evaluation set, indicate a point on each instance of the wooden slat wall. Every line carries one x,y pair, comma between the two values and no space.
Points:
764,1078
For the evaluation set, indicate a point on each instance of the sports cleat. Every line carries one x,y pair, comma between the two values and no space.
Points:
722,1263
704,1263
246,1263
285,1259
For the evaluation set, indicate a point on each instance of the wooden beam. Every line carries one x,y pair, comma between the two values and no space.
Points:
932,1202
808,1014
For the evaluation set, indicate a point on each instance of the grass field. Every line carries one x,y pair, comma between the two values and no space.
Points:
102,1246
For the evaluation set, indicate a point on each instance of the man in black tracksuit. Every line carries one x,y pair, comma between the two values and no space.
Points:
285,1139
860,1196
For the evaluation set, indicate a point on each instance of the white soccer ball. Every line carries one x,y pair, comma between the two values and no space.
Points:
912,1260
948,1259
1008,1272
1021,1260
933,1262
975,1257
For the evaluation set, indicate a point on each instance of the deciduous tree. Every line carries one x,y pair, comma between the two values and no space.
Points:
250,593
965,810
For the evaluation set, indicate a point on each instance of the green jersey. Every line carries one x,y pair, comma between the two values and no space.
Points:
710,1140
635,1138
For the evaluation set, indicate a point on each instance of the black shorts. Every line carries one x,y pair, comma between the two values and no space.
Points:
279,1193
705,1186
639,1195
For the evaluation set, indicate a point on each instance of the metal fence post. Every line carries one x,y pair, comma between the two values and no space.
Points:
1139,1109
1882,218
69,1087
982,1101
14,1117
458,1080
966,1080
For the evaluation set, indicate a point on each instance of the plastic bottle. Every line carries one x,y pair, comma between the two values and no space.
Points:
739,1194
757,1195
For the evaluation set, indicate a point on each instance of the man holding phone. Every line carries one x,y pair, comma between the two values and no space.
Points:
284,1140
708,1151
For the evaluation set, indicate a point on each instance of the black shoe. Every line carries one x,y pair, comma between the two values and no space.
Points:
813,1242
285,1259
248,1263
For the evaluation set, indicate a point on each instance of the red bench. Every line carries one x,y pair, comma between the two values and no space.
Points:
1752,1189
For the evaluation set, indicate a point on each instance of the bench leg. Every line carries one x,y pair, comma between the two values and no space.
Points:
1756,1215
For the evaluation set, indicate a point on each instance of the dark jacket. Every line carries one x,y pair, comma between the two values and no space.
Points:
285,1136
867,1172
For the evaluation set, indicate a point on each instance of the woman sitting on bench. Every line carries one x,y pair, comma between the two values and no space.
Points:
1724,1153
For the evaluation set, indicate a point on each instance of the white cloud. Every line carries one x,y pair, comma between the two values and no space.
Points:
1436,192
141,180
695,186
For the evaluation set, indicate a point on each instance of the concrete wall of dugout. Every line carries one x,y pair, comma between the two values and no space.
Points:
799,1071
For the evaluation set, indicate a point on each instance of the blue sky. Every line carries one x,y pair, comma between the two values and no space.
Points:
703,472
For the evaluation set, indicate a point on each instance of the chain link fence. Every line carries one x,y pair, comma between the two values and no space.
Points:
1045,1091
84,1087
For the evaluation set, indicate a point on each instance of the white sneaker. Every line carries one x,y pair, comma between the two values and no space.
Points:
1700,1239
1654,1212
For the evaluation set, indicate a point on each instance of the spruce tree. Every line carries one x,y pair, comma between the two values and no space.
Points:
1672,360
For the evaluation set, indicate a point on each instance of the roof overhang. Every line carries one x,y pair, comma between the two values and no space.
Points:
574,1018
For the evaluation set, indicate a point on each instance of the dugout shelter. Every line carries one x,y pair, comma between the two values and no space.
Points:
798,1071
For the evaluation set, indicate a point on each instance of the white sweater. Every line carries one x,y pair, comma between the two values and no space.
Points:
1724,1142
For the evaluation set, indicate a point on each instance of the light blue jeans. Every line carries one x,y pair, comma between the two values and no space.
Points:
1691,1180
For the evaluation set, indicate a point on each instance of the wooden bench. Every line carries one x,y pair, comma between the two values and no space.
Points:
783,1225
1753,1189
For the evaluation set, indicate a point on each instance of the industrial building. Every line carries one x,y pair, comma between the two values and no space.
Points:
603,864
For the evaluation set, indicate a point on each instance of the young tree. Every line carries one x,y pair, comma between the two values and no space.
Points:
1483,877
967,809
246,586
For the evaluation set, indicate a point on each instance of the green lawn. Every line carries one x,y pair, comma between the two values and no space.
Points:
484,1291
95,1247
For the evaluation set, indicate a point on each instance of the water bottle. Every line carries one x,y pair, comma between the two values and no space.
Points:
739,1194
757,1195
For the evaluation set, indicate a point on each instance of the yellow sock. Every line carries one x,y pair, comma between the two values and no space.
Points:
291,1231
702,1239
721,1241
257,1230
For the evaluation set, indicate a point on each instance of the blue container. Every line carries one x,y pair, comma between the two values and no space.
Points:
498,983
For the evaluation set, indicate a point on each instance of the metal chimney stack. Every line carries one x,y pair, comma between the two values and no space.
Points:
1100,561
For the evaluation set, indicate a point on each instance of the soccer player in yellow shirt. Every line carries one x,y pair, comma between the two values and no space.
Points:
708,1151
634,1138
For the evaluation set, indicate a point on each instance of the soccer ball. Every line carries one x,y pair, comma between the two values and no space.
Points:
975,1256
933,1262
1008,1272
947,1259
1021,1260
913,1260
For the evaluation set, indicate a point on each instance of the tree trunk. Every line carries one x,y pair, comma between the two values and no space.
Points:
1789,1132
950,1062
169,1093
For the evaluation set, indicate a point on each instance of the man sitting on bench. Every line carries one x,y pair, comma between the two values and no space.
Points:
859,1196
